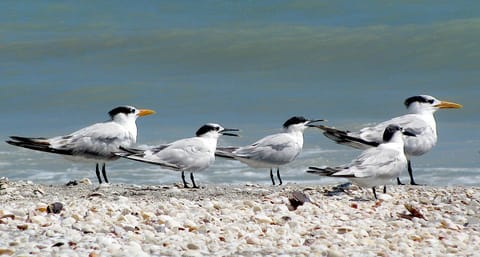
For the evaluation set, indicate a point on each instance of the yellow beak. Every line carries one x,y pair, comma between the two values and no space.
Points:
448,105
144,112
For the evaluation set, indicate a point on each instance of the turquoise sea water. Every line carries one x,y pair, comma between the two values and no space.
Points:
244,64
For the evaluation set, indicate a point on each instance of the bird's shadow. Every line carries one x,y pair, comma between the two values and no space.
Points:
338,190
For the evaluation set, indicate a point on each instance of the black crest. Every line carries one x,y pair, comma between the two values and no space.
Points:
390,131
205,129
419,99
121,109
294,120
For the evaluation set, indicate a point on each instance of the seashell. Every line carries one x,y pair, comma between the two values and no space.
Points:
147,215
93,254
40,220
96,194
252,240
249,203
128,228
58,244
344,230
334,253
42,207
77,216
85,181
55,208
88,229
448,224
160,228
6,252
7,216
257,208
22,227
261,218
192,253
192,246
38,192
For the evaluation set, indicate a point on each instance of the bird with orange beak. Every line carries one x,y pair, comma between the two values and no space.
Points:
420,121
95,143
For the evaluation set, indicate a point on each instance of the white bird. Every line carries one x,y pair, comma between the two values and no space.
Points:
375,166
188,154
420,121
274,150
95,143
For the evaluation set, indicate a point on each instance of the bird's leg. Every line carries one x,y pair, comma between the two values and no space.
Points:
374,193
399,182
410,173
271,176
98,174
193,180
279,178
384,189
185,185
104,172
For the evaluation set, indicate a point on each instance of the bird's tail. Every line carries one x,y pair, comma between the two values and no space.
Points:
324,171
225,152
140,158
36,143
344,137
128,151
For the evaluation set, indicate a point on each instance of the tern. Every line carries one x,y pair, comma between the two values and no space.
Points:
375,166
188,154
274,150
420,120
95,143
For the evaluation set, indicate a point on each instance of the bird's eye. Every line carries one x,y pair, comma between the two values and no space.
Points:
430,101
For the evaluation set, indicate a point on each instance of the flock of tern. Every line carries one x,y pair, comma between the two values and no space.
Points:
388,146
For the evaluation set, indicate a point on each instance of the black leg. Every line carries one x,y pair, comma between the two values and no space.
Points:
399,182
374,193
185,185
193,180
271,176
384,189
98,174
104,172
279,178
410,173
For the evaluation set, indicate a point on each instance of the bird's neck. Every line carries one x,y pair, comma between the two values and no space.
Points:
210,140
129,125
297,134
414,109
429,119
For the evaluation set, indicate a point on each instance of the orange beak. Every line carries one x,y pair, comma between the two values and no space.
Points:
145,112
448,105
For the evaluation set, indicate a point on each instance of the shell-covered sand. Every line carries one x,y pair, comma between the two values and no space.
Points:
236,220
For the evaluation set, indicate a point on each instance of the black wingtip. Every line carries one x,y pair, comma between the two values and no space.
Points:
128,150
27,139
15,143
226,152
223,155
318,171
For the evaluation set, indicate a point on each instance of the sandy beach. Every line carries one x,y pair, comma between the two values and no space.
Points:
236,220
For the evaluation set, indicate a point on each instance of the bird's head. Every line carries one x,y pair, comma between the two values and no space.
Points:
298,123
428,104
214,130
393,131
128,113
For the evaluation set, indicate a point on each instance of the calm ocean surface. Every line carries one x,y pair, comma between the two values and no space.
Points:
244,64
